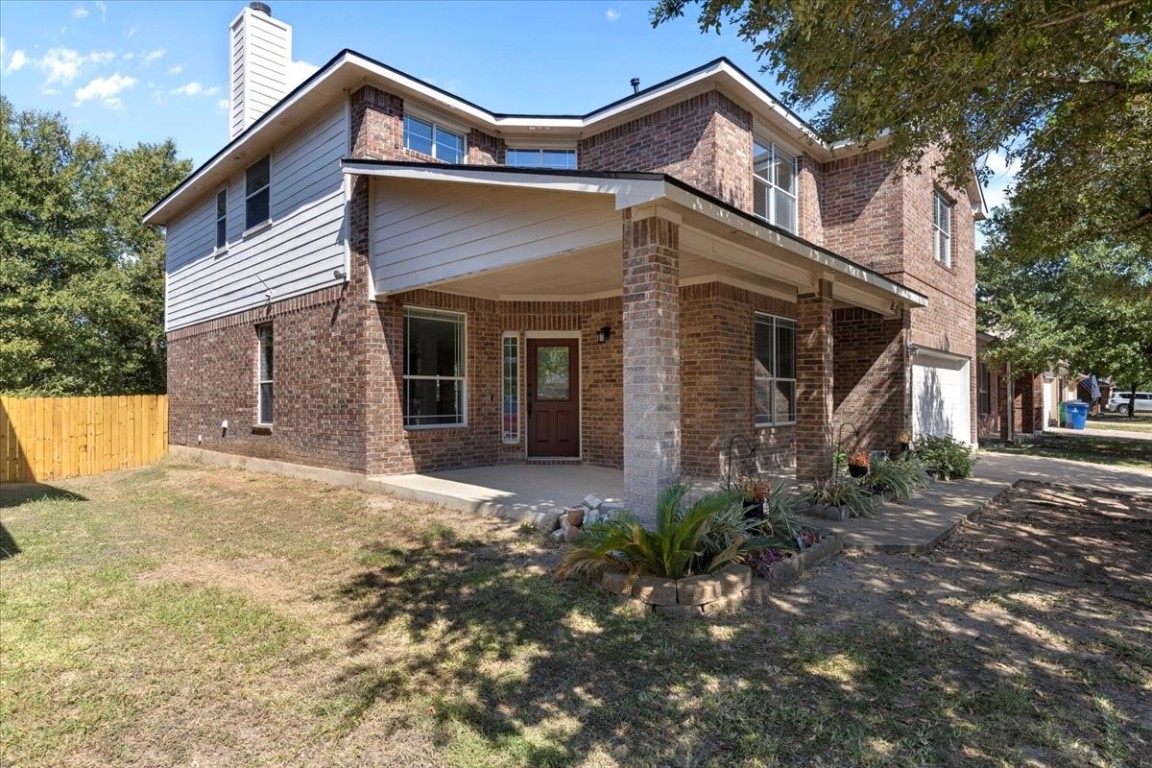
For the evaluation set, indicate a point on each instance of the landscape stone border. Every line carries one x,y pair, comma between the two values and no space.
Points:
709,594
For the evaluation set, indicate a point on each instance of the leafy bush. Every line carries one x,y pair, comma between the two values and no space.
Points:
674,550
781,512
950,457
847,495
898,479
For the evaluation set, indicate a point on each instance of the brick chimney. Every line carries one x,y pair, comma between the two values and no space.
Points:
261,54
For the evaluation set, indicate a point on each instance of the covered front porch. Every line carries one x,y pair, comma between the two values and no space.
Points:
693,321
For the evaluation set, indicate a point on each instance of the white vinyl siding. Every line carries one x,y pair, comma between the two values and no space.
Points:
424,233
295,255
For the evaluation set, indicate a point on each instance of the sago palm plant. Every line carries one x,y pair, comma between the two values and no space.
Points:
676,548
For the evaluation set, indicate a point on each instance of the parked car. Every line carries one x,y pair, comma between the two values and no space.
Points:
1119,401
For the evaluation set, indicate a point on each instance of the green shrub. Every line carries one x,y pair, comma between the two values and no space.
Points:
950,457
781,512
847,495
898,479
674,550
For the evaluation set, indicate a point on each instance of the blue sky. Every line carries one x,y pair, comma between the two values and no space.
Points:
128,72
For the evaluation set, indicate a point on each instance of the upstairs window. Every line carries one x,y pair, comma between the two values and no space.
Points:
434,373
428,138
774,184
942,229
221,219
554,159
775,361
257,192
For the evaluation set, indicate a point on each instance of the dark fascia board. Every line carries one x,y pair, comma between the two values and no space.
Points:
480,170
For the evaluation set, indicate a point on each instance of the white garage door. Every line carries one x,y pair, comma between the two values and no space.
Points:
941,396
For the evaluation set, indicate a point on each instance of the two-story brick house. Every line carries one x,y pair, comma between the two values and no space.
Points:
378,276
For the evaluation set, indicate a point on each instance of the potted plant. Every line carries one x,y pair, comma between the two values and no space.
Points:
858,463
755,493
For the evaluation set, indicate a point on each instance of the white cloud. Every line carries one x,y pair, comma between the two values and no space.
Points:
103,10
222,105
195,89
80,12
155,55
611,14
298,72
16,63
101,57
106,89
130,33
128,56
1002,179
175,70
61,65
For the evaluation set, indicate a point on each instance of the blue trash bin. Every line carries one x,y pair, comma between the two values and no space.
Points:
1077,414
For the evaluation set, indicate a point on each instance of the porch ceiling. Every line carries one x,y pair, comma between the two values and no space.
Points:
512,235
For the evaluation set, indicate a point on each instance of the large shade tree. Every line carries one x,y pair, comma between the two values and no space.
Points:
1064,87
81,278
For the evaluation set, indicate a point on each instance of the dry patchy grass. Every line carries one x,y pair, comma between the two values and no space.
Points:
191,616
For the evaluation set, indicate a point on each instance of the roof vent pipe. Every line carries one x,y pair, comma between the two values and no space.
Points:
635,85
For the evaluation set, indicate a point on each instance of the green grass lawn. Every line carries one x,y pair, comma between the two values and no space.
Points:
1085,447
1139,423
184,615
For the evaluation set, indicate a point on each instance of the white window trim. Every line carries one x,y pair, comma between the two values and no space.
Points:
220,250
939,200
761,422
794,226
260,380
506,437
251,228
463,423
438,124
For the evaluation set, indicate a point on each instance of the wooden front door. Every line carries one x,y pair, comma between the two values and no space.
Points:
553,397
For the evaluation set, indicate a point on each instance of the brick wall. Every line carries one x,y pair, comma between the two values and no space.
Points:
870,367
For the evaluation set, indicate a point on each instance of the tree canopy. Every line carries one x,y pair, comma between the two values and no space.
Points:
1062,86
81,277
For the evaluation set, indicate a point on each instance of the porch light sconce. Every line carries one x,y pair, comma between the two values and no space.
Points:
913,349
340,274
603,334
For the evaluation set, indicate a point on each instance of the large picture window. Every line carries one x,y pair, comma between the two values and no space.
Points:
775,361
264,377
430,139
774,184
257,189
434,368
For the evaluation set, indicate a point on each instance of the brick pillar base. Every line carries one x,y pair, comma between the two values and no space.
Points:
651,356
814,405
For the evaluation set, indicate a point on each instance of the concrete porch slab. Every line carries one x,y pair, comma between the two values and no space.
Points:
512,491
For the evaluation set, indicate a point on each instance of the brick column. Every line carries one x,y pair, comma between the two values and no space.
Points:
651,241
814,384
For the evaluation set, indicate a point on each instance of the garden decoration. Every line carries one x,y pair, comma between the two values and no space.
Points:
858,463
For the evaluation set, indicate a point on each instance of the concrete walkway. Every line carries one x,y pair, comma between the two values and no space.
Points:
1097,431
920,524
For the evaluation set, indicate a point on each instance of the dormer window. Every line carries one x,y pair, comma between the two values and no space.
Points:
554,159
774,184
428,138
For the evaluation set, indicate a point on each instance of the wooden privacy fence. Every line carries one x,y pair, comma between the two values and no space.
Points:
49,438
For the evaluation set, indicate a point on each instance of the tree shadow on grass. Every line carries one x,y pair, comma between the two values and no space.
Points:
482,643
15,494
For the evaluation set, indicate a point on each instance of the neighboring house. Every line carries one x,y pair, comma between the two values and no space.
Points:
1030,398
376,275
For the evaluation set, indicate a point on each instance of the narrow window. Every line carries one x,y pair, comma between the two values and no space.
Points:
257,191
984,398
430,139
434,368
774,184
775,361
511,388
553,159
221,219
264,334
942,229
